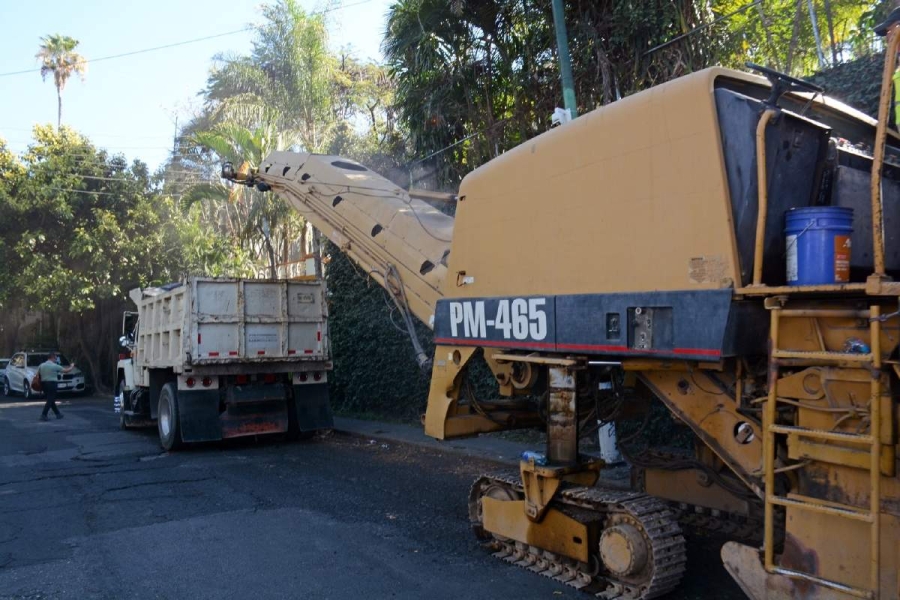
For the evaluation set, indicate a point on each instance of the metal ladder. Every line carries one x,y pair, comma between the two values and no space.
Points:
871,440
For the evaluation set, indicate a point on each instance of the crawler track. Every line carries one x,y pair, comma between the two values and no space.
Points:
655,519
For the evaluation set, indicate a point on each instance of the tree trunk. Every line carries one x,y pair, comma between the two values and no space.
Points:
59,109
270,251
91,357
285,243
830,18
303,245
317,251
795,36
765,25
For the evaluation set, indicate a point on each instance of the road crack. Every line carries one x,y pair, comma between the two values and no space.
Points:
149,483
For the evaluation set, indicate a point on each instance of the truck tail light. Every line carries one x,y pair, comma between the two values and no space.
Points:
190,382
269,378
317,376
207,382
242,379
303,377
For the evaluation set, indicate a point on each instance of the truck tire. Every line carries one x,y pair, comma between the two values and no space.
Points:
124,420
167,419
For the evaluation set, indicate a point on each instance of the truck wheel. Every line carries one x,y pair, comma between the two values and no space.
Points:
124,420
7,391
167,419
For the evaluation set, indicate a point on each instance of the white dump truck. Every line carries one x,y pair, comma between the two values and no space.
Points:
209,359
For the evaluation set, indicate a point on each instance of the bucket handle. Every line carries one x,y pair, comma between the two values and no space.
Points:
797,237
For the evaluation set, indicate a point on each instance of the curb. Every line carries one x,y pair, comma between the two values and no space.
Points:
434,445
613,476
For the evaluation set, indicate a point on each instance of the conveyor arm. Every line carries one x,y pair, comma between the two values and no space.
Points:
402,242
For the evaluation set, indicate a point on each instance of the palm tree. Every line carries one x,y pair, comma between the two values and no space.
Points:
57,55
245,213
289,70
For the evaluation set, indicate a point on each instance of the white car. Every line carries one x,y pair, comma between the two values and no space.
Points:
22,368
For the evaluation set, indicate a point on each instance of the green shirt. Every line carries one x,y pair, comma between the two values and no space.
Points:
49,371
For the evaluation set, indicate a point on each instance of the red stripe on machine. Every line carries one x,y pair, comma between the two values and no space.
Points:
307,352
698,351
260,352
198,338
497,344
232,353
582,347
625,349
600,348
318,336
213,353
292,352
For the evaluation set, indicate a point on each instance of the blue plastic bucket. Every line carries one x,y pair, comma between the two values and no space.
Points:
817,241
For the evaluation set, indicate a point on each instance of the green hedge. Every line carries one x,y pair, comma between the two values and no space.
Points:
375,371
857,83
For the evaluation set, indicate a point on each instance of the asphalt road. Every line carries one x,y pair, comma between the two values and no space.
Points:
89,511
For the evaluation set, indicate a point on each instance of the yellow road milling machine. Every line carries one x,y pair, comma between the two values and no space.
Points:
690,243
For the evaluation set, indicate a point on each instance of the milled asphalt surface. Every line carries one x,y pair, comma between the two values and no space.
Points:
89,511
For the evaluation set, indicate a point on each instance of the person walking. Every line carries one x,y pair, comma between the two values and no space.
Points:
49,372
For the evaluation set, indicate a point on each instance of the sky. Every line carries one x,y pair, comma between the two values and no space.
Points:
129,105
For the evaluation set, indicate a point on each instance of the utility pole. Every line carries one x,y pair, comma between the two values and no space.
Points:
565,61
175,138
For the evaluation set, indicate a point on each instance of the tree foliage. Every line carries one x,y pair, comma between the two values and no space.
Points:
780,33
476,77
80,228
289,92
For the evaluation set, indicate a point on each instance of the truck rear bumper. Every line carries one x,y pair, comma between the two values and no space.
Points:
254,413
252,410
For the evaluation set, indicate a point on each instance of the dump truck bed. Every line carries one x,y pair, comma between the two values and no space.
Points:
232,321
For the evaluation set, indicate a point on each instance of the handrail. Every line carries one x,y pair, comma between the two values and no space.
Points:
890,63
762,193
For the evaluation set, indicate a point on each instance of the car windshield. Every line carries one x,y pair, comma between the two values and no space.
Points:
35,359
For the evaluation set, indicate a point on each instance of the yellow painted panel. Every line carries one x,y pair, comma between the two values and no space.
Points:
627,195
557,532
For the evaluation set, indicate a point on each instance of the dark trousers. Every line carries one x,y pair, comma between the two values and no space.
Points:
50,393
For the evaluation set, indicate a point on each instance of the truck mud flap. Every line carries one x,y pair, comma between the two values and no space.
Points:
198,414
312,407
254,410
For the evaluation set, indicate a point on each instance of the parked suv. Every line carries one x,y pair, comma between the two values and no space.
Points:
23,367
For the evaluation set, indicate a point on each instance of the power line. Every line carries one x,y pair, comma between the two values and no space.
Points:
142,51
56,189
93,135
185,42
109,146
